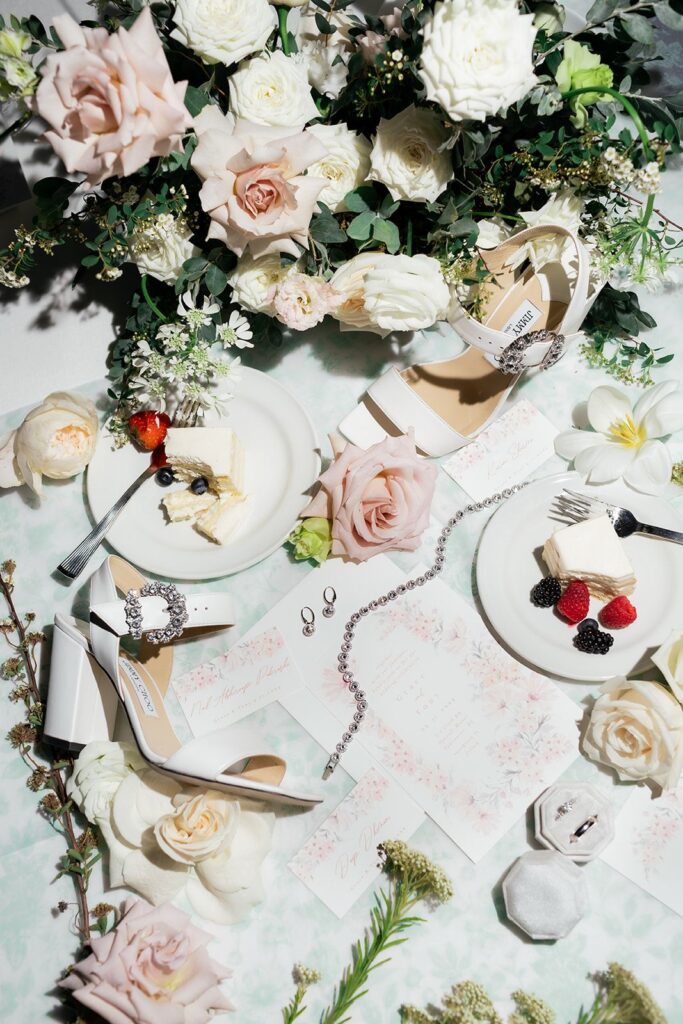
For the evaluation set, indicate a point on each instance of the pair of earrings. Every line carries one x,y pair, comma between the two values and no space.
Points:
308,615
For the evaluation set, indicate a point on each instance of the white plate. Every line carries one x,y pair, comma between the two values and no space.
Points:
509,564
282,462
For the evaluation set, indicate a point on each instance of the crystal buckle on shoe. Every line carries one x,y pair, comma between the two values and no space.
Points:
176,606
511,359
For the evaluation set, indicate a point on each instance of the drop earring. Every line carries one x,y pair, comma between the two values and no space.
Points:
308,619
328,610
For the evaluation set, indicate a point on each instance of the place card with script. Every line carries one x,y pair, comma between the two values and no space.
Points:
504,454
255,672
340,861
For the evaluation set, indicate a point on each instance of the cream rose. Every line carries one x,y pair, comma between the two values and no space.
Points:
159,246
345,166
98,771
565,209
110,100
636,727
407,155
255,281
223,31
254,188
669,660
272,89
477,57
196,828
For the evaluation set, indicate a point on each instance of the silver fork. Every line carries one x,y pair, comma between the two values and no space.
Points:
73,565
576,507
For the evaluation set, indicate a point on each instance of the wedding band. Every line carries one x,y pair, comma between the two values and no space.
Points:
582,829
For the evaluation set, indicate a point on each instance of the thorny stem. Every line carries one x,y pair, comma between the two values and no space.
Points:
56,777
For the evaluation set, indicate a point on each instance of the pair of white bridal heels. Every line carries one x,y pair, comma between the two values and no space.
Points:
530,317
90,675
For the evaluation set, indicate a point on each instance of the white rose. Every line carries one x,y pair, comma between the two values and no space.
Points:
197,827
325,73
254,282
273,90
669,660
565,209
382,293
407,155
477,57
636,727
98,771
57,439
161,245
223,31
345,166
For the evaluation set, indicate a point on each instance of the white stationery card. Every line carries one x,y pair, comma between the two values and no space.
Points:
255,672
504,454
648,845
340,861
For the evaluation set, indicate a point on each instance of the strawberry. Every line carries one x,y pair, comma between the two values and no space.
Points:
574,603
149,427
618,613
159,457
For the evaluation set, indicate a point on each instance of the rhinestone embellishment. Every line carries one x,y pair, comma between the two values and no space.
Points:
511,359
176,606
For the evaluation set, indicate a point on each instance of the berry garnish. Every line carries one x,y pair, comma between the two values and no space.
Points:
159,457
199,485
588,624
165,476
148,427
618,613
574,603
546,593
593,641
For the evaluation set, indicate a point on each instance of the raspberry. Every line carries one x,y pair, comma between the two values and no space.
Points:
574,603
593,641
546,593
618,613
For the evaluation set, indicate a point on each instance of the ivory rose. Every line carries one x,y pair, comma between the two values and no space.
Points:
110,100
345,165
153,967
302,301
377,500
223,31
255,282
272,89
636,727
254,188
408,155
160,245
98,771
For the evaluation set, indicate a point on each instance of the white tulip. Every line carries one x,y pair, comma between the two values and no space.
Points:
408,155
272,89
625,441
669,660
345,166
223,31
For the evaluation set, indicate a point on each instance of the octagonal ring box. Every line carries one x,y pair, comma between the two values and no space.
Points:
545,894
563,810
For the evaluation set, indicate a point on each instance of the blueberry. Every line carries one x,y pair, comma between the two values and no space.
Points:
587,624
200,485
165,476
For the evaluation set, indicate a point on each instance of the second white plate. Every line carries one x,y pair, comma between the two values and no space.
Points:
509,564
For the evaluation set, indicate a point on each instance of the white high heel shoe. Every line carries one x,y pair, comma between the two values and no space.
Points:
89,679
530,319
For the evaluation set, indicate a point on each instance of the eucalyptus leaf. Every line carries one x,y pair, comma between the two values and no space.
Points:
669,17
638,27
361,199
361,226
386,231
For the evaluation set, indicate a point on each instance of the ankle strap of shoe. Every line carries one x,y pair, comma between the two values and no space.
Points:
164,613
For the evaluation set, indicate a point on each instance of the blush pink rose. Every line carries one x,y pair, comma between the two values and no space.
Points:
254,187
373,43
378,500
153,968
110,99
302,301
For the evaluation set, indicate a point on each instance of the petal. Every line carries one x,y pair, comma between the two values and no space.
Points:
139,802
605,406
650,471
652,397
572,442
604,463
154,876
666,417
229,908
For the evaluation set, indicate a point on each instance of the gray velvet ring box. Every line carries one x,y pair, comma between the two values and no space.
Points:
545,894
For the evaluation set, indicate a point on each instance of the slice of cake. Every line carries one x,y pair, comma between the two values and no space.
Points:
220,522
211,452
591,551
183,505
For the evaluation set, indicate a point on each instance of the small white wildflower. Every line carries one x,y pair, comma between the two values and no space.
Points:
12,280
648,179
237,331
196,316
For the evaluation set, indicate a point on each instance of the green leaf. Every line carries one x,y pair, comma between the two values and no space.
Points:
361,199
323,24
669,17
387,232
601,9
196,99
638,27
90,261
360,226
324,228
215,279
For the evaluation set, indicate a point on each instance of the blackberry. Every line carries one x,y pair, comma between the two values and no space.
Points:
546,593
199,485
592,641
588,624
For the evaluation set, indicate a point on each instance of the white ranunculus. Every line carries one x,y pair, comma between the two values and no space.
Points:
625,441
254,282
325,73
477,57
407,155
98,771
160,246
636,727
669,660
57,439
345,166
223,31
272,89
164,839
382,293
564,209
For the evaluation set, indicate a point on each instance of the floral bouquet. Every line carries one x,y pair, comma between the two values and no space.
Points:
264,167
